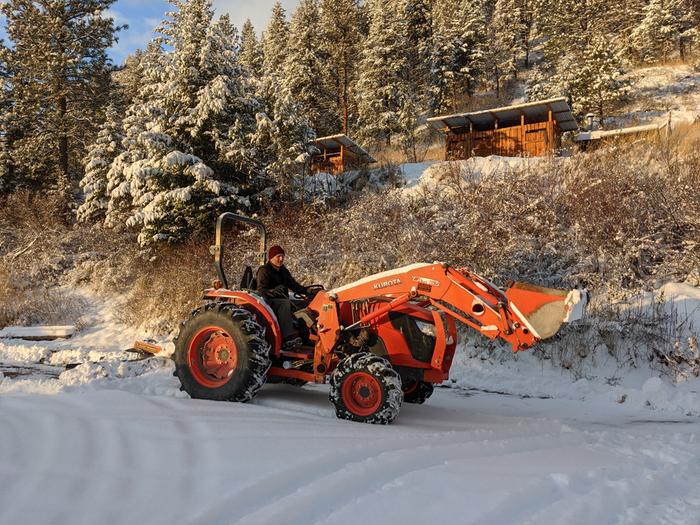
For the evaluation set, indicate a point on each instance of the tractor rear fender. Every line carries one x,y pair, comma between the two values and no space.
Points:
257,305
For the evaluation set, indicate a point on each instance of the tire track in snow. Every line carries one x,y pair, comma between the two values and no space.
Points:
352,482
331,477
592,497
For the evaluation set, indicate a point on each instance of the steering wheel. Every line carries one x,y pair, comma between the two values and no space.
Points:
313,290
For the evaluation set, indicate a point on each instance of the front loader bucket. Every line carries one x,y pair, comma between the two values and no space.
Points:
546,309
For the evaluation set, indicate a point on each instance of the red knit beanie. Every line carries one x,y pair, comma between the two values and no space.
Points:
274,251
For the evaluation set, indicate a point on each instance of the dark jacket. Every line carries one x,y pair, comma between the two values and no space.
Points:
275,283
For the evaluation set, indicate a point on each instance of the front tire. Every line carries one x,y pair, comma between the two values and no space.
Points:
221,354
365,388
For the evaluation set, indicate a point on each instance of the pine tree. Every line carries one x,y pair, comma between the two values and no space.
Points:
570,24
419,21
128,79
281,140
339,46
667,25
251,50
382,91
97,163
304,67
459,30
596,81
528,14
276,41
505,42
5,124
186,151
59,81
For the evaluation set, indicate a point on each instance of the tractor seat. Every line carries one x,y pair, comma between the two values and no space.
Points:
248,281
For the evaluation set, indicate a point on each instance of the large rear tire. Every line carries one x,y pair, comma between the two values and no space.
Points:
221,354
365,388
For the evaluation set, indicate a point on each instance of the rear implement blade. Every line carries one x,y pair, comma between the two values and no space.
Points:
546,309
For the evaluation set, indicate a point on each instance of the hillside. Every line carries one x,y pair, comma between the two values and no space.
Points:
596,425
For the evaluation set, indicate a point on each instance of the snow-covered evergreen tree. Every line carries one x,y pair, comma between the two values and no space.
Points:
59,82
459,35
5,124
419,25
340,46
304,68
383,92
505,42
595,80
98,162
528,15
276,41
129,78
667,25
281,141
251,50
543,82
186,135
569,25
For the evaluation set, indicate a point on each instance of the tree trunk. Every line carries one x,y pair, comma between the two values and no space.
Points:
63,139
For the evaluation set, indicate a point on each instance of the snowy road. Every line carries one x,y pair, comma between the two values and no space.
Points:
109,456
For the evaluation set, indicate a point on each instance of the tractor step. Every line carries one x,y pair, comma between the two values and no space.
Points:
302,352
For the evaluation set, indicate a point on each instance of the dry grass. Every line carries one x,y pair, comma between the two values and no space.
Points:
623,218
40,250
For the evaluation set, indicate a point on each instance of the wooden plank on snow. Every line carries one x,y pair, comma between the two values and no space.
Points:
37,333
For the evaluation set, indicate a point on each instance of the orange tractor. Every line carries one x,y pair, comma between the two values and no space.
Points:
380,341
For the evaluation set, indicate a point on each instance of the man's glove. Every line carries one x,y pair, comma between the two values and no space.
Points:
280,291
312,290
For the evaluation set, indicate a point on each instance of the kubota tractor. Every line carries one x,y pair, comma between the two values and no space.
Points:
380,341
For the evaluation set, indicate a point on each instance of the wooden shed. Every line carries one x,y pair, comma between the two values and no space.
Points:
523,130
589,140
338,153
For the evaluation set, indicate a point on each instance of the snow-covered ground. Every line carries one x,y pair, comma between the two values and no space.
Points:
89,434
109,456
659,90
114,441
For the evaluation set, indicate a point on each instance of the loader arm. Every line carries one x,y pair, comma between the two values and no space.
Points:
522,315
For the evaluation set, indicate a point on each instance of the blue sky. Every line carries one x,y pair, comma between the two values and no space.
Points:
143,15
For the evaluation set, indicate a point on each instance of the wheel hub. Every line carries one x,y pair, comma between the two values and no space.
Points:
362,393
213,356
219,355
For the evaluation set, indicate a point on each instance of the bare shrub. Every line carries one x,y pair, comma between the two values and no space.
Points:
25,304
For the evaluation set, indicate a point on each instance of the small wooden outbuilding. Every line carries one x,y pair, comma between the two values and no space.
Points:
589,140
338,153
524,130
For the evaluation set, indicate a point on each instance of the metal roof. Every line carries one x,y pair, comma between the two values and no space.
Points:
332,143
510,116
603,134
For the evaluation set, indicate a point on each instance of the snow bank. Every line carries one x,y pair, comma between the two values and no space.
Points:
658,90
433,174
605,380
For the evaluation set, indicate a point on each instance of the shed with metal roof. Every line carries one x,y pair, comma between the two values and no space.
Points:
522,130
338,153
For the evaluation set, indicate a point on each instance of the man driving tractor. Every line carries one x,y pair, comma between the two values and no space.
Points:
274,283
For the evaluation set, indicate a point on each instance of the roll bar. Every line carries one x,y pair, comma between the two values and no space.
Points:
218,249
